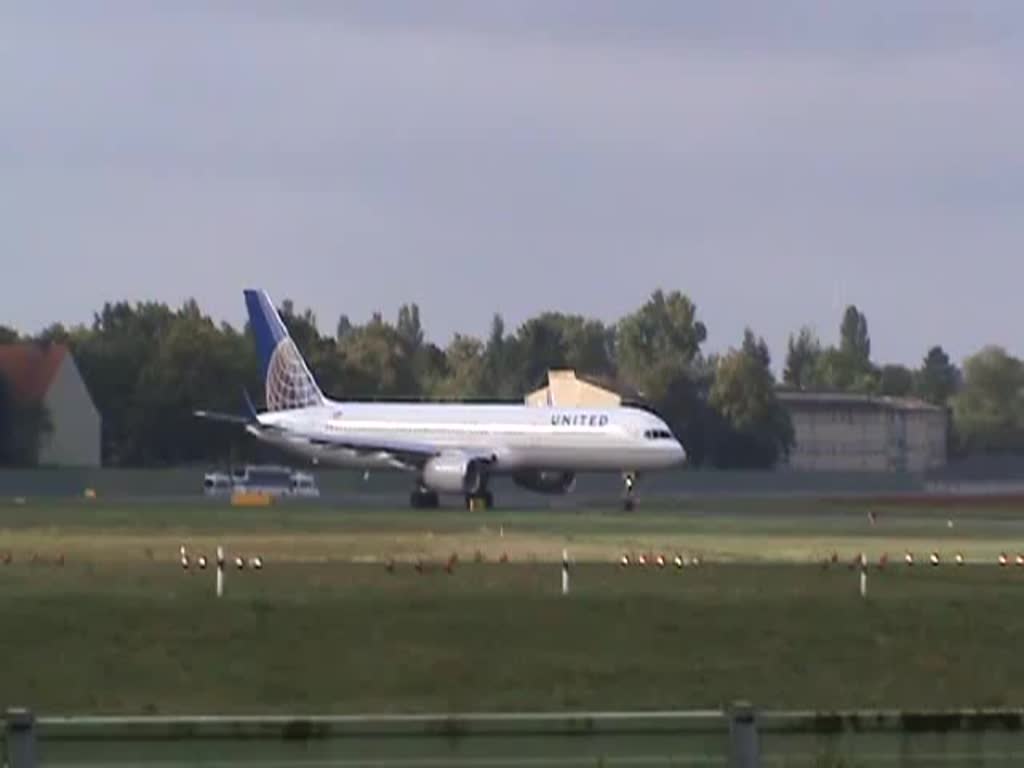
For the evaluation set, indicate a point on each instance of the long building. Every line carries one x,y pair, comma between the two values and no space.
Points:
848,432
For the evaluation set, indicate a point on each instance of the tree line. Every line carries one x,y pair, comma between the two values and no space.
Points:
148,366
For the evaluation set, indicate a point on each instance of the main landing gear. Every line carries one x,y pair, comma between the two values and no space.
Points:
628,499
424,498
480,500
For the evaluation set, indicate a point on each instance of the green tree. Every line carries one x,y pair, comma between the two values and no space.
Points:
501,374
409,328
541,347
55,333
854,340
589,345
832,371
147,367
344,328
708,438
111,356
23,428
555,340
988,412
431,370
465,374
425,359
896,381
658,343
757,349
848,367
196,365
8,335
377,362
744,394
937,379
802,359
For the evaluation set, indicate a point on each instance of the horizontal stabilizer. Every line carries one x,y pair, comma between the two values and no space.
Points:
228,418
249,407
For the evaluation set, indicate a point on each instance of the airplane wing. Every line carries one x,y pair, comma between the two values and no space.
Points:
404,454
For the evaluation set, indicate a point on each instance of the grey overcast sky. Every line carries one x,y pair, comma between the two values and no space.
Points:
774,161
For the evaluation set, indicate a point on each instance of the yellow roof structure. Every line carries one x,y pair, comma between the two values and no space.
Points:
564,389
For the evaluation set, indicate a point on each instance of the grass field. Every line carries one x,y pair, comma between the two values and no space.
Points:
325,627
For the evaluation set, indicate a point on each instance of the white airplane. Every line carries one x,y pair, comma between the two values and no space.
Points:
452,448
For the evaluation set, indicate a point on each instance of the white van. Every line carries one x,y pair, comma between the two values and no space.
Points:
270,480
303,484
217,484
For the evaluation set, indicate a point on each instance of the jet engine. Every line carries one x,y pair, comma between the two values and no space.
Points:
545,481
453,472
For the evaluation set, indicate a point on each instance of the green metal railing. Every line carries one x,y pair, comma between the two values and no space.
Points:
739,737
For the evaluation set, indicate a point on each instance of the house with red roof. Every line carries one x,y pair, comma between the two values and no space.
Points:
46,374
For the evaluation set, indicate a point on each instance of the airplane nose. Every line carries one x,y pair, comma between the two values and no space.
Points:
673,454
678,453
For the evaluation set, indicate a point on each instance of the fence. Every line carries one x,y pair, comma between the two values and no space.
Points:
739,738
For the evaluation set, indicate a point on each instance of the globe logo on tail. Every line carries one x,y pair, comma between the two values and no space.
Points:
289,383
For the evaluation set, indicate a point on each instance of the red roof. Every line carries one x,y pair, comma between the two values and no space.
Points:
30,369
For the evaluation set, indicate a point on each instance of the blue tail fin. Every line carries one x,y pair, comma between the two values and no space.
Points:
288,384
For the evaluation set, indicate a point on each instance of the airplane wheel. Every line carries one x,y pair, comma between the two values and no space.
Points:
628,501
479,501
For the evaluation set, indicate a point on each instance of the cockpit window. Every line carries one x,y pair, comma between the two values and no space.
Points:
658,434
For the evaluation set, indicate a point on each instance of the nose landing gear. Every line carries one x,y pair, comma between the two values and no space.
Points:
628,499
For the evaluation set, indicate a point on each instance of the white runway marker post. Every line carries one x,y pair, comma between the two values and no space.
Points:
863,575
565,572
220,571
